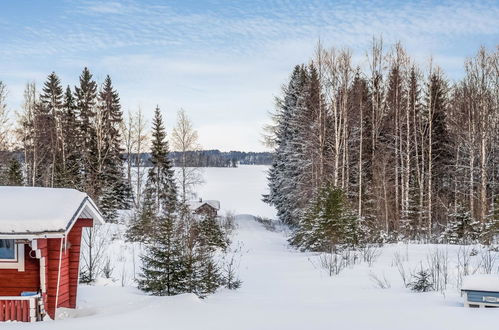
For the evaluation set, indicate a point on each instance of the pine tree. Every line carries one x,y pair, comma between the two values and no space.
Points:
421,282
329,228
209,277
163,270
304,236
328,223
211,234
283,174
490,231
70,172
141,227
14,173
86,98
461,228
440,156
160,194
160,179
48,132
116,192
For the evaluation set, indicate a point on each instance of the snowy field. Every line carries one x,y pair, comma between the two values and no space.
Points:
282,288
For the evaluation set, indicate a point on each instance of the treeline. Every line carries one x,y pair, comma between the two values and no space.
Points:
217,158
70,137
392,152
211,158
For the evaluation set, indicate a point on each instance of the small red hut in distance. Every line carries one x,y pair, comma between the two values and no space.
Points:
40,235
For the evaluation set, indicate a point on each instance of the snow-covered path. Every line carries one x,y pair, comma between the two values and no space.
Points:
282,290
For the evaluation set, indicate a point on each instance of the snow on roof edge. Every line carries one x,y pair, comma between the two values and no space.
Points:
42,212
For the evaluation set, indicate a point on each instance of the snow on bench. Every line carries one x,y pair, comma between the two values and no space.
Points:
481,291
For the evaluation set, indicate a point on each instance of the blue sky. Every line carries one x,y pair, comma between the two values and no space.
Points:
222,61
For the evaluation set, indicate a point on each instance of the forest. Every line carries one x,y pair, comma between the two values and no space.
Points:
386,151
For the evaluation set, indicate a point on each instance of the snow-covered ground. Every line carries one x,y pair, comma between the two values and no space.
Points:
282,288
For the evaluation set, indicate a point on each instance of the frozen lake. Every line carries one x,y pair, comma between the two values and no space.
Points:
238,189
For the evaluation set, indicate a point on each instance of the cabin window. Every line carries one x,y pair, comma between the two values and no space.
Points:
7,249
11,254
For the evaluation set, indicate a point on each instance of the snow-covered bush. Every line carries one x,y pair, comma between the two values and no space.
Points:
230,266
267,223
370,253
380,282
438,267
422,281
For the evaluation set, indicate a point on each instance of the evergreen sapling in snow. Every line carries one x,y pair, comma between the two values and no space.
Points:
163,270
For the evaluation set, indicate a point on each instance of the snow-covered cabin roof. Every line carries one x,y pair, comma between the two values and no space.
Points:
194,205
481,283
35,211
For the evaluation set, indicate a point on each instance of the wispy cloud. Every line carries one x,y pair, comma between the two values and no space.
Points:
115,25
225,58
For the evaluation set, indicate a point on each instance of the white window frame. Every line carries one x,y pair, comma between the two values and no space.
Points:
17,262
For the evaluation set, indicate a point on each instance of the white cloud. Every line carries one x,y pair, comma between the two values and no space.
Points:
225,63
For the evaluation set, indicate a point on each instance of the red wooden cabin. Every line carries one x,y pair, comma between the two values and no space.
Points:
40,235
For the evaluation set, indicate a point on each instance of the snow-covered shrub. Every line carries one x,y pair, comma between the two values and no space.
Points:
488,261
438,267
398,261
228,223
422,281
107,270
380,282
370,253
338,259
267,223
229,269
95,240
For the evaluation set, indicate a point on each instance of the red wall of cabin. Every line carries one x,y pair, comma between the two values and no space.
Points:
13,282
70,261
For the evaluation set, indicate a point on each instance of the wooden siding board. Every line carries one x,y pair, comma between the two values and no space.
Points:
13,282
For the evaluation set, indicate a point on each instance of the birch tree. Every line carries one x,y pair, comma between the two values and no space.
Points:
185,140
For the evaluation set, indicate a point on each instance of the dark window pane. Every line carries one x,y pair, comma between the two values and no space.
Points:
7,249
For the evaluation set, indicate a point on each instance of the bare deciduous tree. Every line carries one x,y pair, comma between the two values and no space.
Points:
185,141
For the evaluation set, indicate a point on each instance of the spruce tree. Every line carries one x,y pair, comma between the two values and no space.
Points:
422,281
160,179
70,172
14,173
461,228
283,174
209,277
86,98
329,228
211,234
48,132
163,270
141,225
328,223
160,193
115,191
442,156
